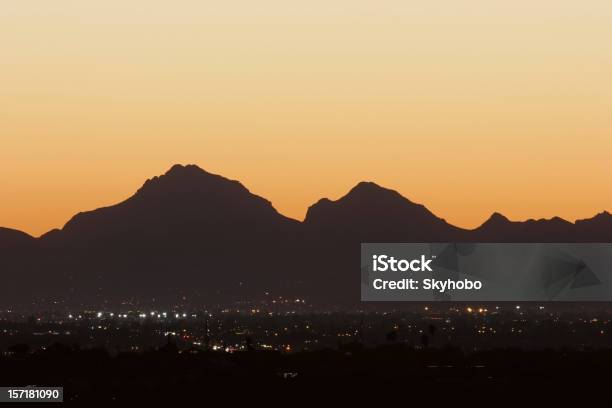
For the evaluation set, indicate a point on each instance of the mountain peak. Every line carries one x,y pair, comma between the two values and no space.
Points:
374,213
366,191
365,197
366,186
186,196
498,217
603,215
495,220
180,169
188,178
558,220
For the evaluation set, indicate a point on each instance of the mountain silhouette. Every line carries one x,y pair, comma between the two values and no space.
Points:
370,213
595,229
500,229
185,201
198,238
185,234
10,238
19,256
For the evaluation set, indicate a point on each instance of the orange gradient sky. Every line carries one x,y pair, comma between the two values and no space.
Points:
468,107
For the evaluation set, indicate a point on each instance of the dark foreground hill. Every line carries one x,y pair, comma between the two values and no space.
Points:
394,374
194,237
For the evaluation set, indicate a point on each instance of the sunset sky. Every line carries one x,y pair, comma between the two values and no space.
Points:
468,107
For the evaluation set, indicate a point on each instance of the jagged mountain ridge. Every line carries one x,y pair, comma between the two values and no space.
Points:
192,234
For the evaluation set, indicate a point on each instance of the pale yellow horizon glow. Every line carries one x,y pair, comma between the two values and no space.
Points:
466,107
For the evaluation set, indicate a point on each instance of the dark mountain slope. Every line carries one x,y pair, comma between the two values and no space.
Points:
595,229
184,234
195,237
334,231
370,213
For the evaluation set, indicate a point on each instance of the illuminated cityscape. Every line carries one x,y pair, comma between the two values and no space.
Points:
296,326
